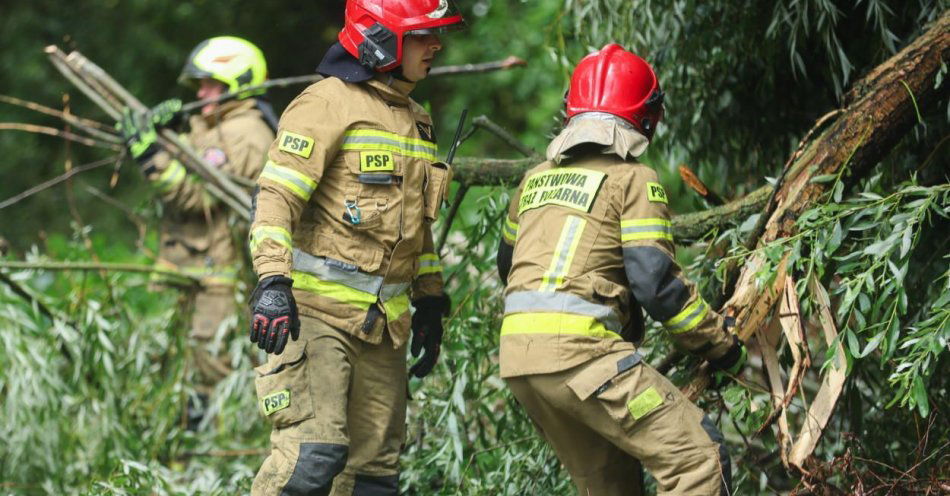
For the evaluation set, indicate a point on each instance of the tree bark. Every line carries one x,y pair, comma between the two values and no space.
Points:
881,109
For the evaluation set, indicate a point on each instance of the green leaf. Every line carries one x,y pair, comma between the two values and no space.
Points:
824,178
920,397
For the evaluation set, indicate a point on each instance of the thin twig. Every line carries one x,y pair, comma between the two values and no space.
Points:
56,180
508,63
453,210
487,124
90,126
141,225
52,131
96,266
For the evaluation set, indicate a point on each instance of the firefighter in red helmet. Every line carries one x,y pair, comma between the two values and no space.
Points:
341,240
587,243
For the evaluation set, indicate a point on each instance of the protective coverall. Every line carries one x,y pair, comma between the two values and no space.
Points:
196,236
345,208
587,242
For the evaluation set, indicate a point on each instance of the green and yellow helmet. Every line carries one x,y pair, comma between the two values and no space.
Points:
234,61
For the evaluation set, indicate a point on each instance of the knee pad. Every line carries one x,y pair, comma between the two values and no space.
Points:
371,485
724,461
317,465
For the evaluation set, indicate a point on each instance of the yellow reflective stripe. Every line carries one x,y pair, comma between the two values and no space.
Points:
277,234
429,263
172,176
333,290
390,148
374,133
372,139
688,318
563,253
555,323
643,229
298,183
396,307
510,230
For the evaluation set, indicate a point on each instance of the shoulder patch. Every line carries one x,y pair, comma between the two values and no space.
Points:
215,157
296,144
425,131
571,187
275,402
656,193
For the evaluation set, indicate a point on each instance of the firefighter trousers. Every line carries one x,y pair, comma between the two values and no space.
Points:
338,409
617,412
211,307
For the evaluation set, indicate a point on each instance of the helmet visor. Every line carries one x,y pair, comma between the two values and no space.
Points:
443,18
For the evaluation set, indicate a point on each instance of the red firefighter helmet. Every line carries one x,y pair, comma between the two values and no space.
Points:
617,82
374,29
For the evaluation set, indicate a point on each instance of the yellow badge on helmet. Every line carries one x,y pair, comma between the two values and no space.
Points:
275,402
377,161
656,193
296,144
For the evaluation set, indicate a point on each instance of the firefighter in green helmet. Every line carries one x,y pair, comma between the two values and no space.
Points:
196,237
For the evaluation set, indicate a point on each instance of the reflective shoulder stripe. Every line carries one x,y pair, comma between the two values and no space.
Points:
373,139
298,183
510,230
563,253
172,176
645,229
277,234
688,318
549,301
429,263
555,323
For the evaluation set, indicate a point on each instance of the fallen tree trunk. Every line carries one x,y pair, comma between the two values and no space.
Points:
881,109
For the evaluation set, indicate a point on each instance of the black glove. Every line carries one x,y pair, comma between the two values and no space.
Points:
729,365
427,332
274,314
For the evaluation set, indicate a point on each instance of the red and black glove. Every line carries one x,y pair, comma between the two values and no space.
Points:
274,314
427,332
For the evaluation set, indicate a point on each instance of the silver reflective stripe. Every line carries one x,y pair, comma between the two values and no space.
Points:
380,140
317,266
549,301
360,281
391,291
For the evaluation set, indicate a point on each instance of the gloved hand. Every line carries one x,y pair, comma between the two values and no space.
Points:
274,314
427,332
140,129
139,133
730,364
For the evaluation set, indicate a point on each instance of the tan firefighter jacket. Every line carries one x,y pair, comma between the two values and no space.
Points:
346,204
195,235
589,234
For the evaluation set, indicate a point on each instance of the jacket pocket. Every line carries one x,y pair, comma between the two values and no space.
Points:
283,389
366,256
438,177
599,375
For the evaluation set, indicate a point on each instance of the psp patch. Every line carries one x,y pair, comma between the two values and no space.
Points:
570,187
215,157
296,144
656,193
377,161
275,402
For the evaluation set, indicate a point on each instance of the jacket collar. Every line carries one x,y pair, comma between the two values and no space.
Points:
392,89
598,128
226,111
